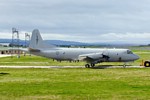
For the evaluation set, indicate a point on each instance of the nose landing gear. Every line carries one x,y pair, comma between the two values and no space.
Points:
87,66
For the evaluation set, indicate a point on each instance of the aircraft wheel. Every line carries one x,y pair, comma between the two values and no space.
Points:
92,65
87,66
124,66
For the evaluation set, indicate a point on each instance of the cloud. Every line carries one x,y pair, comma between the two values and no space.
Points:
88,20
135,38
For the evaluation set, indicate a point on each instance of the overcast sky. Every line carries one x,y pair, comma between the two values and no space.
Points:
78,20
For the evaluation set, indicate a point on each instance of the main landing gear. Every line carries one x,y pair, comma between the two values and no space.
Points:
124,65
89,65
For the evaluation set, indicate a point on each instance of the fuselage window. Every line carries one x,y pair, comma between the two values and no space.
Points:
129,52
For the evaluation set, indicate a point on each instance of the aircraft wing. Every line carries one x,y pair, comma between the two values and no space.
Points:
91,56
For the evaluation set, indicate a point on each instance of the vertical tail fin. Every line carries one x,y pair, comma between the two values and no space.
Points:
36,42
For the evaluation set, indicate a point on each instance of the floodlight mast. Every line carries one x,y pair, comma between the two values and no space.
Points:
27,38
15,41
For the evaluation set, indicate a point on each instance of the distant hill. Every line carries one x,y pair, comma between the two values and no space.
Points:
73,43
54,42
5,40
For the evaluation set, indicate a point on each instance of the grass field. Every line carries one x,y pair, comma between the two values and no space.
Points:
74,84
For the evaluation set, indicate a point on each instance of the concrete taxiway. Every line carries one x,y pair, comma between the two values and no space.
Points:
99,67
5,55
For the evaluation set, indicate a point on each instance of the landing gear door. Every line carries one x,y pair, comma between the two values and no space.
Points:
57,54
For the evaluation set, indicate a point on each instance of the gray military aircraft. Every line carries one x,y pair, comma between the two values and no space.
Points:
92,56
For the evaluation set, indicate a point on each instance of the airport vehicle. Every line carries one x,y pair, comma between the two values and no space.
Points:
92,56
147,63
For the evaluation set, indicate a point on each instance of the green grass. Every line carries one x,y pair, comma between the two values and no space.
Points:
35,61
74,84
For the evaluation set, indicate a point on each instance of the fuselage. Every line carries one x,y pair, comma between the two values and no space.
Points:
115,55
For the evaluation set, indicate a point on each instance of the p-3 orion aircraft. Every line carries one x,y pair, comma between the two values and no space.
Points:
92,56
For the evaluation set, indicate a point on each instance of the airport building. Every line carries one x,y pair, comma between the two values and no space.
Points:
9,50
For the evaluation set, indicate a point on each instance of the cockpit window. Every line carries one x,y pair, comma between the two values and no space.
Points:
129,52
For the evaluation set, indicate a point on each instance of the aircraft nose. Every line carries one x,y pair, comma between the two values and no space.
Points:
136,57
